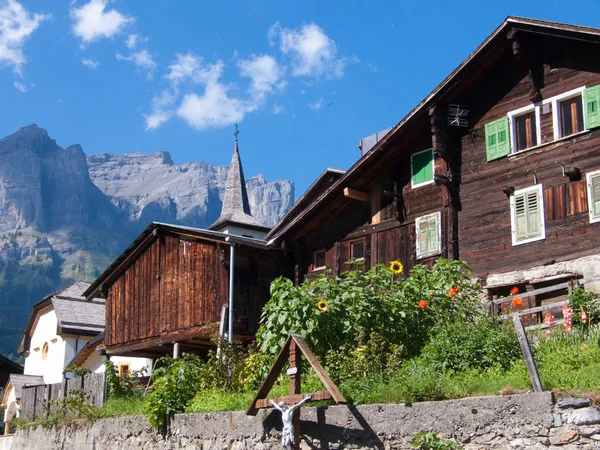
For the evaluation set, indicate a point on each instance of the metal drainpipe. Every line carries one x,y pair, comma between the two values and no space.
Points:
231,279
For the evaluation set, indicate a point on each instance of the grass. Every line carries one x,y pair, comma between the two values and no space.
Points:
124,406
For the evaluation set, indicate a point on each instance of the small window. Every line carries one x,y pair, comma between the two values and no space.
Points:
422,168
571,116
526,131
124,370
527,215
45,351
429,235
593,183
319,260
357,250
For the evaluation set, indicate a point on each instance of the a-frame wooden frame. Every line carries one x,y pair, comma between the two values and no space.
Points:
293,348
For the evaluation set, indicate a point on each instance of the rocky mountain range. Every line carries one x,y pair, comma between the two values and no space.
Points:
65,216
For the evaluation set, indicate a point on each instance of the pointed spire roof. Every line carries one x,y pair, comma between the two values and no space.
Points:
236,208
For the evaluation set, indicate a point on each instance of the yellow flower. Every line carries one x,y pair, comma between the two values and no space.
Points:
396,267
322,305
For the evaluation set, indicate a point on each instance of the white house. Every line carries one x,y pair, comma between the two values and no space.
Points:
64,329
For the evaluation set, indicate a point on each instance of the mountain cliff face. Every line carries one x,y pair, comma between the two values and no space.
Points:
64,216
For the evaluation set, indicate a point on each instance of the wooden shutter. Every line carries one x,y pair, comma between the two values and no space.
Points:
591,107
528,215
428,236
496,139
422,167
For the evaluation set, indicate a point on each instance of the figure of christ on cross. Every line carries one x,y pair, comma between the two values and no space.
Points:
287,416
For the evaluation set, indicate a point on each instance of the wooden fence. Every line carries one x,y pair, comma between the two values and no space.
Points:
38,401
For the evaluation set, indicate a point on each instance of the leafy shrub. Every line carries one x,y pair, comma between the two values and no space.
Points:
175,382
121,386
332,312
426,440
478,344
588,301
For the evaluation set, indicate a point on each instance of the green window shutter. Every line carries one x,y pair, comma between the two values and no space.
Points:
595,191
592,106
496,139
422,167
528,219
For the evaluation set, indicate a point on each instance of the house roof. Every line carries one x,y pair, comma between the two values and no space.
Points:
16,382
150,234
476,64
236,208
87,350
7,365
74,314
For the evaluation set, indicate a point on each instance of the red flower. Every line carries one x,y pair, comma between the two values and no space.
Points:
514,291
422,304
517,301
452,292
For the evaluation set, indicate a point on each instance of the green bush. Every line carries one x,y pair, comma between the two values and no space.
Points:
332,312
175,382
426,440
588,301
480,344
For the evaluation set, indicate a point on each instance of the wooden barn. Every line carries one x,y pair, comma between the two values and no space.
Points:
498,166
171,286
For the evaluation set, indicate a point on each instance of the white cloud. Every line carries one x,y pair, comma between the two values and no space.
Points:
264,73
92,64
316,105
191,67
92,21
16,25
162,109
213,109
142,59
313,53
20,86
156,119
278,109
133,40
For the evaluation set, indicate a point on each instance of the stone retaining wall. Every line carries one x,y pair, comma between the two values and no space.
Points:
525,421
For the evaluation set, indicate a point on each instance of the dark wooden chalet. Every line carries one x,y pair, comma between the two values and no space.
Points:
498,166
172,284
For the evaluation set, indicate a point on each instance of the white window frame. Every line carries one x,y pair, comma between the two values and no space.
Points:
590,196
418,220
513,216
425,183
315,267
555,101
512,115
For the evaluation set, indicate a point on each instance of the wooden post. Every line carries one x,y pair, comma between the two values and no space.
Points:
526,349
295,373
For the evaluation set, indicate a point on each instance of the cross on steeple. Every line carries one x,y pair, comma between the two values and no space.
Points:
236,132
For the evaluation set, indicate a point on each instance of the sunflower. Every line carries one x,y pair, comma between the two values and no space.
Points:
396,267
322,305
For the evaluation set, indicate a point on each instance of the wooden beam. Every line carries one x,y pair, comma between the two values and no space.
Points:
264,403
527,355
356,195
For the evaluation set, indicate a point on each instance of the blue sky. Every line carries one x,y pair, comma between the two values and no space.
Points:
305,80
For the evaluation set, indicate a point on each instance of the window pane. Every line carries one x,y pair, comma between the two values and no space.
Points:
358,250
595,191
422,167
571,112
526,131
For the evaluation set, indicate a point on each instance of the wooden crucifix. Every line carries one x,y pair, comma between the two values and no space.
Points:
292,351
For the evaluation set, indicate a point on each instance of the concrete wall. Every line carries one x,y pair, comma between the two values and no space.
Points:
526,421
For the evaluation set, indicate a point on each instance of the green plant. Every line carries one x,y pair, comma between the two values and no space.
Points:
587,301
175,382
77,371
426,440
478,344
75,406
331,312
121,386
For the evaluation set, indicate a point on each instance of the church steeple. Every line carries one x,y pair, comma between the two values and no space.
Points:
236,217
